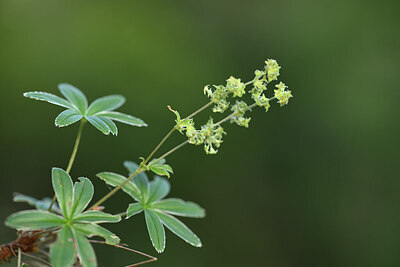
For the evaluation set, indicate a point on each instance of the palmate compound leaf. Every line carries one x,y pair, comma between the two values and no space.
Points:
100,113
80,224
157,211
74,224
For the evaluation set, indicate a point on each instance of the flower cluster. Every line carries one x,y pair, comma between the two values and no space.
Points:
282,95
239,109
211,134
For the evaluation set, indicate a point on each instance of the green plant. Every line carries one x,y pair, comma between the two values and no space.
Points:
65,223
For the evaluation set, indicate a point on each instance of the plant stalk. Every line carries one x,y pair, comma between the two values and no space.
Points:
115,190
140,169
73,155
174,129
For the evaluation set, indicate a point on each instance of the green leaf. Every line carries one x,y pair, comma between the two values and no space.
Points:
159,188
33,220
95,216
43,204
68,117
156,230
106,103
99,124
114,179
90,230
62,253
140,180
160,170
75,96
110,124
83,193
62,185
179,228
85,251
121,117
53,99
179,207
134,209
160,167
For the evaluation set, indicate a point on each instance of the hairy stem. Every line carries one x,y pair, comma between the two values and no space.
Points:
73,155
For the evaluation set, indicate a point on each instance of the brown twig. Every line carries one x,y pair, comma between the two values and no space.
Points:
152,259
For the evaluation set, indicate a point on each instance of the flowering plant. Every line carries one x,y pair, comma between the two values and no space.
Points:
64,224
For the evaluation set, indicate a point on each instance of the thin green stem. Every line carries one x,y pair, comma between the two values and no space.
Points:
115,190
174,129
169,152
73,155
234,114
140,169
160,144
77,142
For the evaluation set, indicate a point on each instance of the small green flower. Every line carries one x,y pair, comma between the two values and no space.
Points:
212,135
207,91
239,109
272,69
235,86
262,101
282,95
221,106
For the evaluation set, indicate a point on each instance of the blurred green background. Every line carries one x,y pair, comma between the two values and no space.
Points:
315,183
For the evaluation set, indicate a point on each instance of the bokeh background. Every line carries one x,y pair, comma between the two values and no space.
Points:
315,183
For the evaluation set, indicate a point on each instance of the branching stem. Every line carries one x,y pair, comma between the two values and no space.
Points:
143,166
174,129
115,190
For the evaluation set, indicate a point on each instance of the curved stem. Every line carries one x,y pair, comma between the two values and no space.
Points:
73,155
